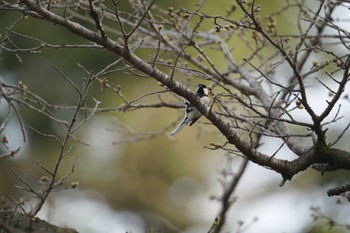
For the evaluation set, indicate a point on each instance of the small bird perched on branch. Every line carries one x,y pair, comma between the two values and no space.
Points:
191,113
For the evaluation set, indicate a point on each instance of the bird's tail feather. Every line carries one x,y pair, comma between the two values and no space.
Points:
179,127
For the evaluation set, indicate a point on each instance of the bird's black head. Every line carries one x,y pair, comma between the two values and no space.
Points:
202,90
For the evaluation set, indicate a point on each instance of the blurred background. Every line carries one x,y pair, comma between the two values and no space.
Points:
156,185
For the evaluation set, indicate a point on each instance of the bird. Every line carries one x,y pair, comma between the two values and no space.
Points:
191,113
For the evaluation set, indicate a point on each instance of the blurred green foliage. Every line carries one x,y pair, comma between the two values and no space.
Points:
139,175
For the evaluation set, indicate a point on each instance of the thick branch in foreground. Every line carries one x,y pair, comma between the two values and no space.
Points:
15,222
